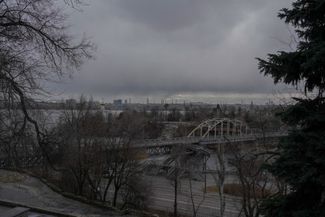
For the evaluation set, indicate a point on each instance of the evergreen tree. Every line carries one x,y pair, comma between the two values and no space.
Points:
301,160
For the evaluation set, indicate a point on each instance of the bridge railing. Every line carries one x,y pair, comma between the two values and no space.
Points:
167,141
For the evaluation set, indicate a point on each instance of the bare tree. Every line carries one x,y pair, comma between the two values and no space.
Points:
98,154
255,183
18,148
119,173
12,136
79,132
123,167
196,200
186,161
175,170
119,166
219,177
135,193
34,47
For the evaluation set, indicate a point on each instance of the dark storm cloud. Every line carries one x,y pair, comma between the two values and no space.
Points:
173,46
169,15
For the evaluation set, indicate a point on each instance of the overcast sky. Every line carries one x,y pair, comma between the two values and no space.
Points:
177,48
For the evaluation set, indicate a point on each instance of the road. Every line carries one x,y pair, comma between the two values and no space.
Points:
161,191
162,198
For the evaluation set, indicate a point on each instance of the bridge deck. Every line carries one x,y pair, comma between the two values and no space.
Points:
204,141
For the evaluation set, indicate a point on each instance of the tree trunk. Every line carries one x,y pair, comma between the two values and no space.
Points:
106,189
175,194
115,196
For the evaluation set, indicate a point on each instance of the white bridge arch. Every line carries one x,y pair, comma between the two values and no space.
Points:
217,127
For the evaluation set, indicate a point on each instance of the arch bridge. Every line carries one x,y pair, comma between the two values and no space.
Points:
218,127
210,132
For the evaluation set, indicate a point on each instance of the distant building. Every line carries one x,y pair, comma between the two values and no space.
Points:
117,102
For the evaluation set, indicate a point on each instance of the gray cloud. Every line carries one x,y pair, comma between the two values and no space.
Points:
177,46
